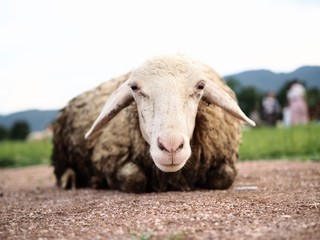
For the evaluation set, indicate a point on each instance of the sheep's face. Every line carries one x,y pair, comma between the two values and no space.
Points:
167,103
167,91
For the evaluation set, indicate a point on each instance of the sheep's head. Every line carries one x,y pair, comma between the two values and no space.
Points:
167,91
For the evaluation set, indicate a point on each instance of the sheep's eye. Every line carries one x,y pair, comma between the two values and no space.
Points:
134,87
201,85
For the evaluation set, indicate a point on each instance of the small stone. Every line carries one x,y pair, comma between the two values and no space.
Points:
242,188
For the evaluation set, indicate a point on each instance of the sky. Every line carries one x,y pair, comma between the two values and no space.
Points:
52,51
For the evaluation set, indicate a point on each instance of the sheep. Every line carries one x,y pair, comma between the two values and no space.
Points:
171,124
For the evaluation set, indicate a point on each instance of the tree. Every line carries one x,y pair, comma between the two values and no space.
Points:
313,99
282,93
19,130
3,133
249,99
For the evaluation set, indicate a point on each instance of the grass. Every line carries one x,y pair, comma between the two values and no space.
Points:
298,142
20,153
142,236
148,236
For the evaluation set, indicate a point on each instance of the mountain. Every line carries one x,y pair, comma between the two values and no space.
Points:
37,120
266,80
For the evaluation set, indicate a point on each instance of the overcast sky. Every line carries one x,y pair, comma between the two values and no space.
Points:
51,51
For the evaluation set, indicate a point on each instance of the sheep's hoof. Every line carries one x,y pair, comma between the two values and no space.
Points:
131,178
221,177
68,179
97,182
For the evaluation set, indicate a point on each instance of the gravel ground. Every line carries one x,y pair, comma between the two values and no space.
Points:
269,200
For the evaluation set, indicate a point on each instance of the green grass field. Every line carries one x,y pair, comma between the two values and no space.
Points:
19,153
301,142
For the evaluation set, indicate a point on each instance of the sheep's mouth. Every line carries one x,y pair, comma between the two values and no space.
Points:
170,161
170,167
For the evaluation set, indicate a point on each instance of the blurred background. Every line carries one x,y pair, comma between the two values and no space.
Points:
267,51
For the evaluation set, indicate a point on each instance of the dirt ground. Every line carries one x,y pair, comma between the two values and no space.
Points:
269,200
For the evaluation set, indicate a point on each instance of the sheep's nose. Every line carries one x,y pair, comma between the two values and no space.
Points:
170,143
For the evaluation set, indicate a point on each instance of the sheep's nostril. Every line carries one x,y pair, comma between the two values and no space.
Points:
181,146
161,147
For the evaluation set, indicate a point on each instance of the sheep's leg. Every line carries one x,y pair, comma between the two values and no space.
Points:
68,179
221,176
130,178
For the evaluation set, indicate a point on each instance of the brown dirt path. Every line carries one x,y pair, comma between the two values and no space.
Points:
282,202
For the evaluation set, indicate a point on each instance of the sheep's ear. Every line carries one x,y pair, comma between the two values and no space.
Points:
216,95
118,100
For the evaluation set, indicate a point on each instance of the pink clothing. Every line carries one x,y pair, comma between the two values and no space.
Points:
297,105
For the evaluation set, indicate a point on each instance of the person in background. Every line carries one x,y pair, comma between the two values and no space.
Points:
297,104
286,116
271,109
